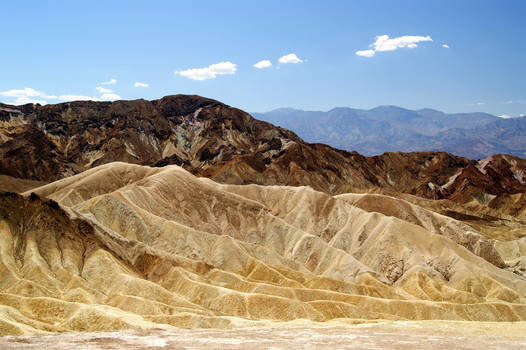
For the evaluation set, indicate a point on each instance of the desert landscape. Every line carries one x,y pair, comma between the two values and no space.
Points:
99,238
275,175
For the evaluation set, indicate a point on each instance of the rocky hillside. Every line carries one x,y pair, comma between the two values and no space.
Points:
128,246
208,138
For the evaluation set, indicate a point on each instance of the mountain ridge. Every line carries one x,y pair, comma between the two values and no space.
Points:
211,139
392,128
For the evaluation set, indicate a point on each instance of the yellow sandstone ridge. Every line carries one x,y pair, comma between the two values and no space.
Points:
127,246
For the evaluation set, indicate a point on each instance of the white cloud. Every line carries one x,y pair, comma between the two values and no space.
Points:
505,116
69,98
263,64
477,104
110,82
384,43
107,94
210,72
27,95
290,58
103,90
110,97
196,73
22,100
223,68
26,92
522,115
137,84
445,46
365,53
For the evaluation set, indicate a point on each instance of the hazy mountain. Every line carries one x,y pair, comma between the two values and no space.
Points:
392,129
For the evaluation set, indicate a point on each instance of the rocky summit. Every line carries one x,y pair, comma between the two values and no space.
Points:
185,212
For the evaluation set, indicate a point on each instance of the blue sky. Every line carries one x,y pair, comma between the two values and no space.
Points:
57,50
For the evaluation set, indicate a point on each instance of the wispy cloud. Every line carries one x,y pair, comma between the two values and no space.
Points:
477,104
445,46
22,100
210,72
107,94
27,95
29,92
290,58
103,90
137,84
384,43
68,98
365,53
110,97
109,82
263,64
30,95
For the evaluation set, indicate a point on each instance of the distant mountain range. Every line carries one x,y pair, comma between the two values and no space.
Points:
391,129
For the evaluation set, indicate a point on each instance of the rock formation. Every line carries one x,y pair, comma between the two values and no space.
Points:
124,245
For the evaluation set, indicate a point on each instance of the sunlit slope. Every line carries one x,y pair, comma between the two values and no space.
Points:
134,246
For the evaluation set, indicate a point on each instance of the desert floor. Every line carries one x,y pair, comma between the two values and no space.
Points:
390,335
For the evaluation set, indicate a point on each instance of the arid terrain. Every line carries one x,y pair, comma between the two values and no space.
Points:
396,335
186,213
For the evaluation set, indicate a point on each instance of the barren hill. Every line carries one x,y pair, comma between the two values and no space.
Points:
123,245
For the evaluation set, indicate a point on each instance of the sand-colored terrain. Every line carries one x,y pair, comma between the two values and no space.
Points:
126,246
401,335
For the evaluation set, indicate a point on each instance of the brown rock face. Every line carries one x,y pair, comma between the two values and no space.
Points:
41,220
53,141
211,139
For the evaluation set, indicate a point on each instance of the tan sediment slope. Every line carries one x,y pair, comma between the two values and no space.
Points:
133,246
